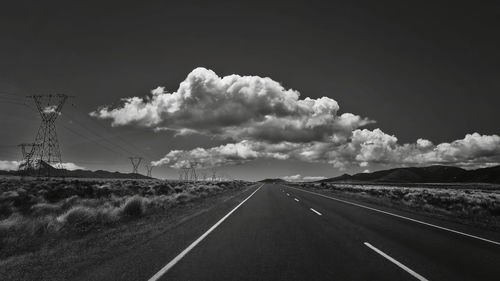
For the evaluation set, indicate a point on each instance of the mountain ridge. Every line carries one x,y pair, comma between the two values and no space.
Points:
428,174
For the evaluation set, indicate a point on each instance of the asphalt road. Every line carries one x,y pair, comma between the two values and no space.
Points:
280,233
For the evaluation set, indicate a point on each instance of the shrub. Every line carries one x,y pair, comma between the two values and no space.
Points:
80,218
134,207
108,214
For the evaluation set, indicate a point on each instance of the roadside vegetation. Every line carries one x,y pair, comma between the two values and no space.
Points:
36,214
471,204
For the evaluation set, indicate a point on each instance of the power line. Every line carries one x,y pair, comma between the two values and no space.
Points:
97,135
131,145
91,140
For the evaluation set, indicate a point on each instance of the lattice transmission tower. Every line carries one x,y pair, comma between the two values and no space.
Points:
214,174
136,161
193,176
185,174
45,150
149,169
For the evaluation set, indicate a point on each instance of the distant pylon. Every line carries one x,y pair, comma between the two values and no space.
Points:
214,174
136,161
193,175
185,174
149,168
46,146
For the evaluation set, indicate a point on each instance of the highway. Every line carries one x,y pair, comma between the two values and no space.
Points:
278,232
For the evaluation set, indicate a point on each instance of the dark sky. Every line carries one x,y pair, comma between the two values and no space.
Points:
421,69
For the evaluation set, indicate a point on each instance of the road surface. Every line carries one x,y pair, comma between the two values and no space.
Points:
282,233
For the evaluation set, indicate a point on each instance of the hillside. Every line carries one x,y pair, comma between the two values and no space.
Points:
430,174
99,174
273,181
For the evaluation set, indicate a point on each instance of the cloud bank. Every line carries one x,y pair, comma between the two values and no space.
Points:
364,148
259,118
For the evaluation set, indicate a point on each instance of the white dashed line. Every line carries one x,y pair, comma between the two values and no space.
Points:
317,213
402,266
401,217
287,194
296,199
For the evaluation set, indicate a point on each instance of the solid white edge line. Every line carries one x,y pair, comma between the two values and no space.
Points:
405,268
197,241
402,217
296,199
318,213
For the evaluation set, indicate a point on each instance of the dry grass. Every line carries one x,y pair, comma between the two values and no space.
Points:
36,214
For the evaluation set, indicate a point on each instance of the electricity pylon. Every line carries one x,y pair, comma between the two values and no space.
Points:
185,174
193,177
46,146
214,174
149,168
136,161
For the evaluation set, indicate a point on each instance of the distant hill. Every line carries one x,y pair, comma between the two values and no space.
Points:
99,174
431,174
273,180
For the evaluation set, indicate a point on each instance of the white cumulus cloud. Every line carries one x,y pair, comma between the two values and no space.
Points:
236,107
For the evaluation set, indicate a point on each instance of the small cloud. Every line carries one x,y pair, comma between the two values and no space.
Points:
309,178
298,177
50,109
72,166
6,165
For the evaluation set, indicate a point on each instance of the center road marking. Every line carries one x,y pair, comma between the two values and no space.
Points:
318,213
402,217
296,199
405,268
169,265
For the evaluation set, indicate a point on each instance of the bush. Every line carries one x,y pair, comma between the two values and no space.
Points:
108,214
79,217
134,207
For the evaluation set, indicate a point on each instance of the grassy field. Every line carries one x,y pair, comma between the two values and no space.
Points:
38,214
474,204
